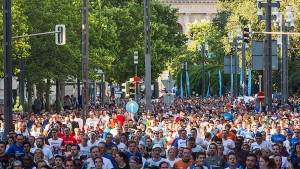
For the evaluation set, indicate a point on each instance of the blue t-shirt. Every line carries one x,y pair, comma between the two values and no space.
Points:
228,116
14,149
278,137
136,154
294,140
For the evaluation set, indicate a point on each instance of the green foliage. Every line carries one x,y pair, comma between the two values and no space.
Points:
19,27
116,30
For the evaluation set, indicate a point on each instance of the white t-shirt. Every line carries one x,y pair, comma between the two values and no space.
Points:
151,162
122,147
92,122
90,144
181,143
55,145
106,163
47,154
228,142
84,151
172,162
80,122
260,146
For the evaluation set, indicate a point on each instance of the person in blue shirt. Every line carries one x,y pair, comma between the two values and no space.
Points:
296,137
278,136
242,128
228,115
17,148
132,151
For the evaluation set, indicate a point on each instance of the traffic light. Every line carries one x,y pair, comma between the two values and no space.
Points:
132,88
60,34
123,87
246,35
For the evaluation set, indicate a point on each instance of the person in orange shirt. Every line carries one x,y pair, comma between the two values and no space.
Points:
230,135
185,161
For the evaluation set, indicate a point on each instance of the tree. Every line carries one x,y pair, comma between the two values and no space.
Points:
128,20
19,27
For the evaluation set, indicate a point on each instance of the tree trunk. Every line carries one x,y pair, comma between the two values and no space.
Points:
62,91
29,88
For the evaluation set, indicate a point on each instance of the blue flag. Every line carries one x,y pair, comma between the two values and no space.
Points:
187,83
208,88
181,86
220,82
249,82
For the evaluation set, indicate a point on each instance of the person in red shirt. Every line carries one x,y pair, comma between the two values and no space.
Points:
77,135
120,118
67,138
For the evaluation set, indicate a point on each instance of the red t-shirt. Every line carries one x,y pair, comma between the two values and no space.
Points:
69,140
78,139
121,119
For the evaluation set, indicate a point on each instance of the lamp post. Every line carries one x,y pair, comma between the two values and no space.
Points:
267,74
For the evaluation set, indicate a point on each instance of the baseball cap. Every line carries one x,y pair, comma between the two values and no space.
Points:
156,146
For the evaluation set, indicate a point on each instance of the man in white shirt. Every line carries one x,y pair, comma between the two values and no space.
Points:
92,142
192,145
48,156
92,120
199,141
156,159
84,148
95,152
78,119
260,143
284,160
121,146
55,143
227,143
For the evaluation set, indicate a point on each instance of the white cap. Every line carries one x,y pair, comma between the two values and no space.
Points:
156,146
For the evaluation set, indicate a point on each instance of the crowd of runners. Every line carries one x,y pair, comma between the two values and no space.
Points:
192,133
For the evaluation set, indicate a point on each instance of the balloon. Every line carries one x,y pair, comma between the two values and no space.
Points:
238,106
228,105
